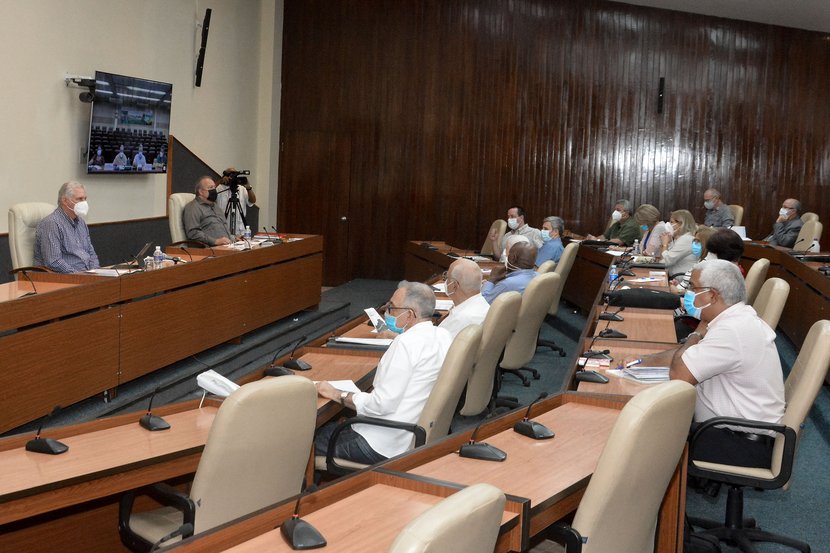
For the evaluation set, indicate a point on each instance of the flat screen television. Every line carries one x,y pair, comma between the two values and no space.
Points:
129,125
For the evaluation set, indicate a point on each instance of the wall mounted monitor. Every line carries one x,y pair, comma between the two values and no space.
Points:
129,125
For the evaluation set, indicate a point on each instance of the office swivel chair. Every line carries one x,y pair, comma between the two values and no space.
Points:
809,216
435,419
256,455
175,208
770,301
810,231
500,225
563,269
23,221
467,521
737,214
800,390
754,279
621,504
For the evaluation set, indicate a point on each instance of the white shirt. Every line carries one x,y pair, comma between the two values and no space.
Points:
223,196
471,311
403,381
737,368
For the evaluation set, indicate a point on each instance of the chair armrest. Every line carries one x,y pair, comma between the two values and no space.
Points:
788,454
572,538
164,494
334,468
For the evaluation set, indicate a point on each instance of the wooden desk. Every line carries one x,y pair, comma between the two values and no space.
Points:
620,350
654,325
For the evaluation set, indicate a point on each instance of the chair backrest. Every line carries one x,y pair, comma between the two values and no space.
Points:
257,450
755,277
810,231
468,520
546,267
536,300
770,301
737,214
443,399
23,220
500,225
619,509
563,269
497,327
809,216
804,383
175,208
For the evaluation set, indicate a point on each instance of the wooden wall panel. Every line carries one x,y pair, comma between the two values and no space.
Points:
454,110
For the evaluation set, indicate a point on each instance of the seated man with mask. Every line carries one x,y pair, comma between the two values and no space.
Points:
516,274
403,381
788,224
623,229
552,248
201,220
732,361
518,227
464,289
62,240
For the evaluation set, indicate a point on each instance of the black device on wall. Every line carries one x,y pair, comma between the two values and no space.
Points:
200,63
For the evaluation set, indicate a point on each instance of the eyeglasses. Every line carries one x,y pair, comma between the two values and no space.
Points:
388,307
447,278
700,289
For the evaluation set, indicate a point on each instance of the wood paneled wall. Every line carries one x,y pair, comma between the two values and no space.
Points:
444,113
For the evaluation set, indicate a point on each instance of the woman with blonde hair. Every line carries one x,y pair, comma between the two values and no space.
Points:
648,217
676,249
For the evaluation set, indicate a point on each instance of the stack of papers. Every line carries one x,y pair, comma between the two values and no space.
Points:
443,305
647,374
478,258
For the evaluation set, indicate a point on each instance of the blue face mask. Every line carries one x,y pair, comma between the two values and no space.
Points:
689,304
392,323
545,235
697,249
644,228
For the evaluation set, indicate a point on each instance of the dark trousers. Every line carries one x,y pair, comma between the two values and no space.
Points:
350,445
729,447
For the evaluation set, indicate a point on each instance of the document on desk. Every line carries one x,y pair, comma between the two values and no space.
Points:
345,386
477,258
646,374
440,287
110,272
364,341
443,305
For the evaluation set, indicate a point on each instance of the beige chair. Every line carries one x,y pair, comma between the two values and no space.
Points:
500,225
23,220
810,231
435,419
755,277
563,269
809,216
175,208
467,521
497,327
770,301
737,214
800,390
521,346
256,454
620,507
546,267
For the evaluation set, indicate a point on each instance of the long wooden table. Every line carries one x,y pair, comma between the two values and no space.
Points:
82,334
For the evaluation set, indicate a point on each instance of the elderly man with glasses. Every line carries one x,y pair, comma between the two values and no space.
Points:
403,381
788,224
463,282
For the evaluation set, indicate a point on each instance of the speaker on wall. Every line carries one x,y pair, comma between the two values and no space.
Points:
200,62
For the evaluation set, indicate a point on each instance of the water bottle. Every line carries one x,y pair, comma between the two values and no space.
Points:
158,258
247,234
612,274
636,247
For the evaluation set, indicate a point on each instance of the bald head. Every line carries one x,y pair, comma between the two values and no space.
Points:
463,280
522,256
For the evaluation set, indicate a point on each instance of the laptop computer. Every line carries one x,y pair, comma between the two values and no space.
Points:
136,262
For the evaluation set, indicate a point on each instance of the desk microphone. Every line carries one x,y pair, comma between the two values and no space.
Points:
600,354
25,272
277,239
588,375
197,243
297,364
150,421
615,316
46,445
616,283
268,238
186,250
610,332
277,370
185,530
533,429
482,451
299,534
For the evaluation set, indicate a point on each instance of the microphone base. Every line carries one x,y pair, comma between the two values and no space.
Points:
610,317
301,535
153,423
47,446
297,365
611,333
625,272
482,452
591,376
278,371
591,354
535,430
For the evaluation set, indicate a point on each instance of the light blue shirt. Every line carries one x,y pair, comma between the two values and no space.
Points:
552,249
63,245
516,281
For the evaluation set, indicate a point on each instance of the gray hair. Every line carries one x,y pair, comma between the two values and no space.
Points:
625,204
556,223
468,275
419,297
199,182
796,205
723,276
67,190
712,191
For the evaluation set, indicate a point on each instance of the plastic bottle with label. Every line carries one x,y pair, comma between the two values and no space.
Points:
158,258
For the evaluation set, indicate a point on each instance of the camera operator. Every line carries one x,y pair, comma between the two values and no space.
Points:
231,182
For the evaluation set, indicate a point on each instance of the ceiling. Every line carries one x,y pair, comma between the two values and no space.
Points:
813,15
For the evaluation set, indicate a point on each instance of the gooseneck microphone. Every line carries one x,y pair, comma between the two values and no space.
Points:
150,421
591,353
615,316
610,332
299,534
297,364
588,375
25,273
482,451
280,370
533,429
47,446
185,530
277,239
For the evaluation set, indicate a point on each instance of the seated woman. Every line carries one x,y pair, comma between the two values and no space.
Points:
648,217
701,236
727,244
676,249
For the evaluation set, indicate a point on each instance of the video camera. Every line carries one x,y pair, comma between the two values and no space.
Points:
232,179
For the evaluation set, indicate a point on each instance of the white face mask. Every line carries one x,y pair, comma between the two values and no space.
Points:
783,212
616,215
513,223
709,204
81,209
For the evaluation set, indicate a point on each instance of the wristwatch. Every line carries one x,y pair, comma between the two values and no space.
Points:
343,396
696,333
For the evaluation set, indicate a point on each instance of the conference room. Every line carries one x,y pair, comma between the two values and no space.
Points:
368,168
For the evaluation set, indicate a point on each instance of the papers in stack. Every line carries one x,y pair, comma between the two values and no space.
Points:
363,341
477,258
440,287
646,374
443,305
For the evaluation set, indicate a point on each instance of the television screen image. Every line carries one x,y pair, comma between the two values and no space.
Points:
129,125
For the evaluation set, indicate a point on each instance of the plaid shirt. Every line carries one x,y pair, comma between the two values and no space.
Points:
63,245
